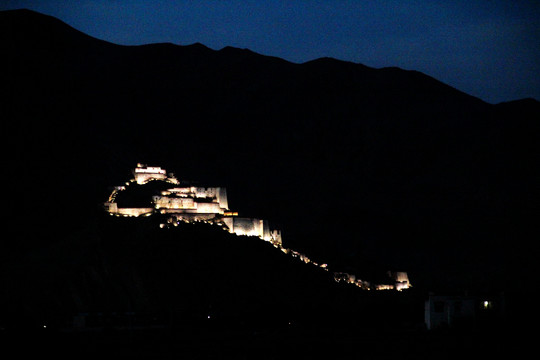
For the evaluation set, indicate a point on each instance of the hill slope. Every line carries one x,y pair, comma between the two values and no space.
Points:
179,276
368,168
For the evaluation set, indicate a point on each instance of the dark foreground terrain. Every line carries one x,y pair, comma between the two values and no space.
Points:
128,289
218,341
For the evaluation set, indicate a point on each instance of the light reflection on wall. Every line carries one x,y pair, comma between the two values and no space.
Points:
249,227
143,173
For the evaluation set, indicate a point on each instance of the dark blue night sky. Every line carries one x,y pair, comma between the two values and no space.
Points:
489,49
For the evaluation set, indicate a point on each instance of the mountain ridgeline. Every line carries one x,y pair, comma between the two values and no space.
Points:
369,169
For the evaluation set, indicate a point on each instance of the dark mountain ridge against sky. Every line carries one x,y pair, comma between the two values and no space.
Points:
487,48
368,168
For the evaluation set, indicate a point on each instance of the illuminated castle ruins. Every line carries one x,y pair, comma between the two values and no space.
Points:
209,204
189,204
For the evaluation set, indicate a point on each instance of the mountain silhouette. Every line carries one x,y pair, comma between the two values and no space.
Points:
369,169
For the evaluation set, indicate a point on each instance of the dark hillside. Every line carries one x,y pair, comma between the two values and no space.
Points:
364,167
181,276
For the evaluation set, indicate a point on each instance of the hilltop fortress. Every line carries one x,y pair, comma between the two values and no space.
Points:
190,204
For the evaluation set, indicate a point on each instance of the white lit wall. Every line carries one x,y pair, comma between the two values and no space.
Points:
248,226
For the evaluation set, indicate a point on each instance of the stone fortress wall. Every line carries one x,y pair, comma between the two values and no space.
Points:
142,174
249,227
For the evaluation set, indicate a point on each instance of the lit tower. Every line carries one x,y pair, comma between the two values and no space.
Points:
143,173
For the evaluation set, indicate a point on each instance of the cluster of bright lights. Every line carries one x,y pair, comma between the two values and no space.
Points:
151,170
